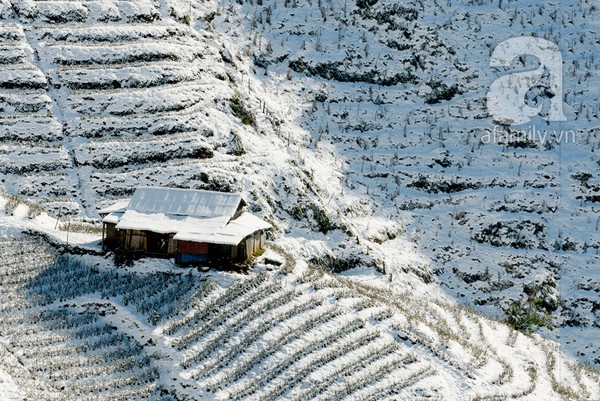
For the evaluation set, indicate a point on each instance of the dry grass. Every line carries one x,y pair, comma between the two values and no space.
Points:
13,201
80,227
290,263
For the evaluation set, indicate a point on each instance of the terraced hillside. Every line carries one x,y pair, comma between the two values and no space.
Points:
84,330
32,137
139,98
505,218
105,94
358,129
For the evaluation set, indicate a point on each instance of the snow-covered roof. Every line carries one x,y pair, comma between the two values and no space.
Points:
199,216
119,206
167,223
185,202
232,234
112,217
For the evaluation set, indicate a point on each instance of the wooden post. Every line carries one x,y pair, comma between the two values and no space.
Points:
68,229
103,226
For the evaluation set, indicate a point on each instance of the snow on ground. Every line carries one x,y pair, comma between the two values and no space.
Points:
8,389
21,220
357,129
154,333
491,219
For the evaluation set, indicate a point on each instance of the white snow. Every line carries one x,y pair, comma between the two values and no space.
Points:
8,389
121,94
231,234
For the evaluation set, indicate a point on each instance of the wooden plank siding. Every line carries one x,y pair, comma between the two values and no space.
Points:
161,245
109,236
111,230
184,252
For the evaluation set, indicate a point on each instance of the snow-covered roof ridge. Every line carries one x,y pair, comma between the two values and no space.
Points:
185,202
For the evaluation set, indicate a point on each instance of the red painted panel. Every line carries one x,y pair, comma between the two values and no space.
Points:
197,248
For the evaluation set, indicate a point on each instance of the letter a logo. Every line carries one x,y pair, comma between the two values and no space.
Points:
506,96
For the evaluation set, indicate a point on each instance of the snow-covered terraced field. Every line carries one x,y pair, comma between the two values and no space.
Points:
85,330
120,85
30,134
111,154
502,221
360,130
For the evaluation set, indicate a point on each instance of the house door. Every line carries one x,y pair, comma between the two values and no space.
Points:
157,244
241,251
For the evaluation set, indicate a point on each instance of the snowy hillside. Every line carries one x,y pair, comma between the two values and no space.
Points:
499,219
360,131
157,332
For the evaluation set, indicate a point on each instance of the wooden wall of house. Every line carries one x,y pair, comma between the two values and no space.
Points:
135,240
159,244
254,242
249,242
109,236
218,251
110,231
185,252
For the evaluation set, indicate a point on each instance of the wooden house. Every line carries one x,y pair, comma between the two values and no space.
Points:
192,226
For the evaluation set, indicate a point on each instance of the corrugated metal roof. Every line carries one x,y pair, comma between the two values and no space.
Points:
185,202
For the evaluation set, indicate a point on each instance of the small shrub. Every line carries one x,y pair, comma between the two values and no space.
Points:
323,221
582,177
334,264
441,91
241,111
238,146
296,212
259,252
526,317
362,4
210,17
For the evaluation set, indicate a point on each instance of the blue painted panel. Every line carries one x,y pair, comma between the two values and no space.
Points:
186,258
